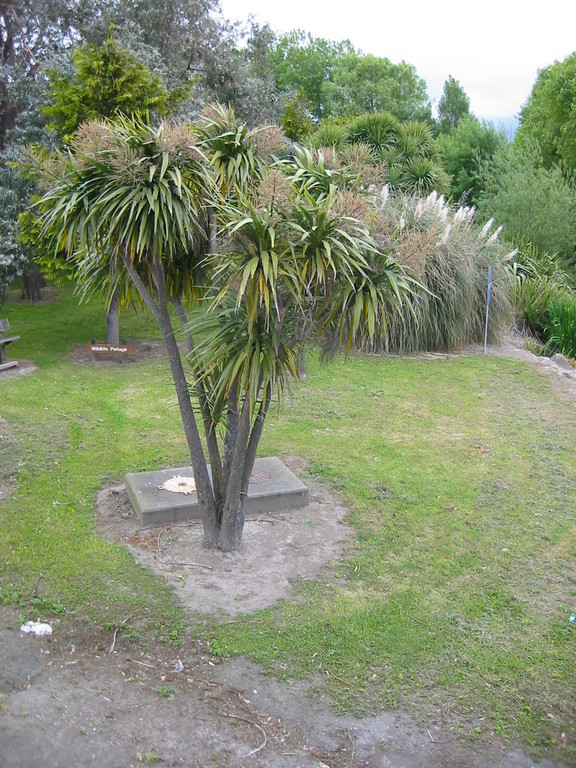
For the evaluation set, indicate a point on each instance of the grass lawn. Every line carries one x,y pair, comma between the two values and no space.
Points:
460,475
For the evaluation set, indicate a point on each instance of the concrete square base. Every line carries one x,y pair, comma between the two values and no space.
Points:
272,487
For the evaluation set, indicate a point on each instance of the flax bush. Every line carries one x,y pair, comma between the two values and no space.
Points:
560,326
544,300
539,281
449,253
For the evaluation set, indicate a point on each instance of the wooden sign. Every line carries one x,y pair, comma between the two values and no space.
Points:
96,348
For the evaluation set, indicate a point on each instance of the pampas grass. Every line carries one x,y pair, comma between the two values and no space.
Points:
450,255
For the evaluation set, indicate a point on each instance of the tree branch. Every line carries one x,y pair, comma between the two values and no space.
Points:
144,293
254,438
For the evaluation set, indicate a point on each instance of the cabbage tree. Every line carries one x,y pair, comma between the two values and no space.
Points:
283,266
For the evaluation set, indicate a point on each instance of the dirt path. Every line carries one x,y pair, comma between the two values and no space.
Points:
69,702
75,699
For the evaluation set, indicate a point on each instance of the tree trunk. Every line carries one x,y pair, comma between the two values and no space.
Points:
32,283
8,115
232,421
242,437
254,439
159,309
249,459
206,500
232,518
209,430
222,521
113,319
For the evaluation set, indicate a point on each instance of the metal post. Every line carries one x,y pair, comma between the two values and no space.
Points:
488,299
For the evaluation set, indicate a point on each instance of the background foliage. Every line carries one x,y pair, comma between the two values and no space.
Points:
374,113
532,202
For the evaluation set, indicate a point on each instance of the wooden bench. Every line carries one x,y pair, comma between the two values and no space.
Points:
6,339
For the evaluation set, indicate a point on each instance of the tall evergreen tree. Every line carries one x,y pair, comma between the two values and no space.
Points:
453,106
465,151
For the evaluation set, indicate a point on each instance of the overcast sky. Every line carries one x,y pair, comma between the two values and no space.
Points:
493,48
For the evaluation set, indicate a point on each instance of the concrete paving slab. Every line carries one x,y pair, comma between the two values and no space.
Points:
273,487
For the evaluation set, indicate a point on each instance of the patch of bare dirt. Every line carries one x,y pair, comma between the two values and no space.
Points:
49,295
276,550
24,368
77,699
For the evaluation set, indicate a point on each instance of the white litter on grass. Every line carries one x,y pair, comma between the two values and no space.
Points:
37,628
179,484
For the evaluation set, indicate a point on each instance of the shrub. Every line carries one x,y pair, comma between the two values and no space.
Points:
532,298
328,134
560,326
538,282
380,130
403,155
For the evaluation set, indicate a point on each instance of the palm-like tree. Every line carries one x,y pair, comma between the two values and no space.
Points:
285,263
292,267
403,155
135,194
379,130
